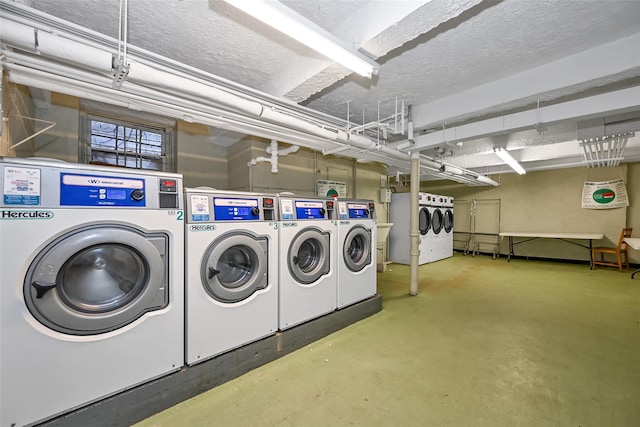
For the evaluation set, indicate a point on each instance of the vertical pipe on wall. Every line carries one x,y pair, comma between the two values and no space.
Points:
414,232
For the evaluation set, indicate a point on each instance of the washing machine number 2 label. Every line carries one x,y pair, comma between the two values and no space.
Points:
178,214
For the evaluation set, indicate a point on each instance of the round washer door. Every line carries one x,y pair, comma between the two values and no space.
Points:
308,256
448,220
97,279
356,250
424,221
235,266
437,221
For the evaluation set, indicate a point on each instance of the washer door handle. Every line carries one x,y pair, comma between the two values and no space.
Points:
296,259
212,272
42,289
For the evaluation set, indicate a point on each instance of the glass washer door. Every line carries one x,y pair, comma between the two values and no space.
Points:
308,256
437,220
97,279
356,250
424,221
235,266
448,220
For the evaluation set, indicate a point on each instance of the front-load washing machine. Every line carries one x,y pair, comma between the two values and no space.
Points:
306,265
91,284
448,226
399,241
355,251
231,272
438,241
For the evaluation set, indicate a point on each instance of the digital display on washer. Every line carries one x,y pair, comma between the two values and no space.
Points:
309,210
358,210
98,190
235,209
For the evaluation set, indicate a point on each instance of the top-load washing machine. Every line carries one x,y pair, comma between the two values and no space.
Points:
355,251
399,241
231,270
91,284
307,260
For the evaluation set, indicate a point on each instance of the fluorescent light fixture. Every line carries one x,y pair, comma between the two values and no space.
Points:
285,20
506,157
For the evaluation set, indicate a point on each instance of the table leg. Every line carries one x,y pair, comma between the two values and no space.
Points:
510,249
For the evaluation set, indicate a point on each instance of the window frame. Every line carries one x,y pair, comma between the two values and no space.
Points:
166,160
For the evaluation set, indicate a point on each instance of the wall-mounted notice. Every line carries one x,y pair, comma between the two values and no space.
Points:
331,188
604,195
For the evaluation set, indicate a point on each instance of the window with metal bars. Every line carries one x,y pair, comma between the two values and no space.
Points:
114,142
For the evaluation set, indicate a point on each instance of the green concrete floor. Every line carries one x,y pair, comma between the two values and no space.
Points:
485,343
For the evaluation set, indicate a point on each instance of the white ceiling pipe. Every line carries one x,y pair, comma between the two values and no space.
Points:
145,75
296,123
275,153
338,149
282,151
196,87
17,35
118,98
273,148
54,46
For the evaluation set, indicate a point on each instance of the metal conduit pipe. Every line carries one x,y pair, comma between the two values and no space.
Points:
414,229
140,98
48,44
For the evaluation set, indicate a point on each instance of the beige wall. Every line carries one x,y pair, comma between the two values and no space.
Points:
299,171
61,141
17,106
546,201
201,162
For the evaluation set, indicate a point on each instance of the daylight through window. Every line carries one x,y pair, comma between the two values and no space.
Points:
126,145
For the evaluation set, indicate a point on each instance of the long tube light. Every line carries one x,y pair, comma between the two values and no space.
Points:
285,20
507,158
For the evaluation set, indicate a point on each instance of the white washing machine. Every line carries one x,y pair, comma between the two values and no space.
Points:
355,251
231,270
438,241
307,259
448,226
399,241
91,284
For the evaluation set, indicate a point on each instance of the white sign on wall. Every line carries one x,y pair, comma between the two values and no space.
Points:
604,195
331,188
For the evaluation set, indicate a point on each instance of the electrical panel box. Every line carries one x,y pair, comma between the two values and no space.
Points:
385,195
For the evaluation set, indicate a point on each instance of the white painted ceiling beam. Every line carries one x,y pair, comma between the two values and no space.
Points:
378,28
615,102
606,63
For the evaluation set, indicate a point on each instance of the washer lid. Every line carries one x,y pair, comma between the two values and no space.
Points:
308,256
97,279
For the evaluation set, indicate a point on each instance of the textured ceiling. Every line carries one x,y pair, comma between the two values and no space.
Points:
454,61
